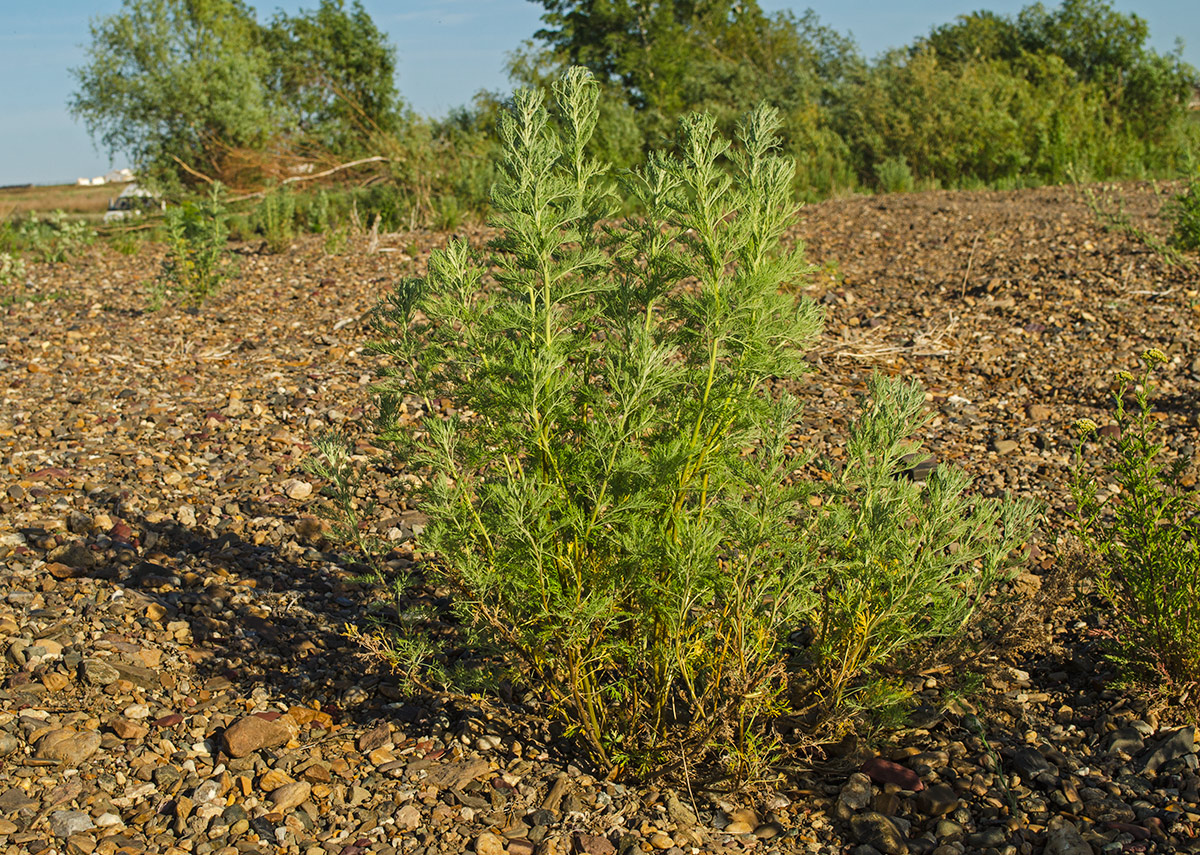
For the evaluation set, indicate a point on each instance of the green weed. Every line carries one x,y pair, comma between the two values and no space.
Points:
1145,535
613,499
197,258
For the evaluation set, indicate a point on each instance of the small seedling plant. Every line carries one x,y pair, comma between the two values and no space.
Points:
613,496
1146,534
197,259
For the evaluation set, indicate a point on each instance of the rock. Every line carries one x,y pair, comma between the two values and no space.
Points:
855,795
296,489
883,771
989,838
488,844
1178,744
659,840
55,682
15,799
1062,838
937,800
408,818
1126,739
290,795
555,796
678,812
768,831
68,746
1004,447
879,831
454,776
592,844
126,729
376,737
64,823
97,672
8,744
252,733
1030,763
208,791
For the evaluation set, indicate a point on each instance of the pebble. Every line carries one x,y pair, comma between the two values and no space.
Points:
290,795
253,733
880,832
64,823
68,746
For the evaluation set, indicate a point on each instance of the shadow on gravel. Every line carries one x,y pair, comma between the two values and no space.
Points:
268,622
269,618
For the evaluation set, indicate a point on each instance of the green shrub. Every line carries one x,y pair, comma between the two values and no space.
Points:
318,212
51,239
276,216
894,175
1184,215
12,269
613,497
197,259
902,563
1146,535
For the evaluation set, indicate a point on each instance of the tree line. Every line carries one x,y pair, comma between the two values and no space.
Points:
196,91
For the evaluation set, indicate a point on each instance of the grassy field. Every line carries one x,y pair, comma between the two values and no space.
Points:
84,201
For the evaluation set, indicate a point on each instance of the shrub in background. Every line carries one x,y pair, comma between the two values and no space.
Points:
895,176
12,269
197,259
51,239
1146,535
613,498
276,216
1184,215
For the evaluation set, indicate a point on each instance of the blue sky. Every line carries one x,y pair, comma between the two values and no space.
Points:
447,51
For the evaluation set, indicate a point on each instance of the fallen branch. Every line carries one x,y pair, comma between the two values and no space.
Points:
191,171
295,178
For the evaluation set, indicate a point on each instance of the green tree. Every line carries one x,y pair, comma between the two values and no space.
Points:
168,79
336,72
200,82
658,60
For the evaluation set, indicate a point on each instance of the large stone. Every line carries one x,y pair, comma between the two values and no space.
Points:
290,795
1030,763
68,746
97,672
679,813
879,831
408,818
856,794
938,800
64,823
251,733
883,771
593,844
454,776
376,737
1062,838
1180,743
489,844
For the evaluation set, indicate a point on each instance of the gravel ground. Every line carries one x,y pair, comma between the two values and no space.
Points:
175,672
